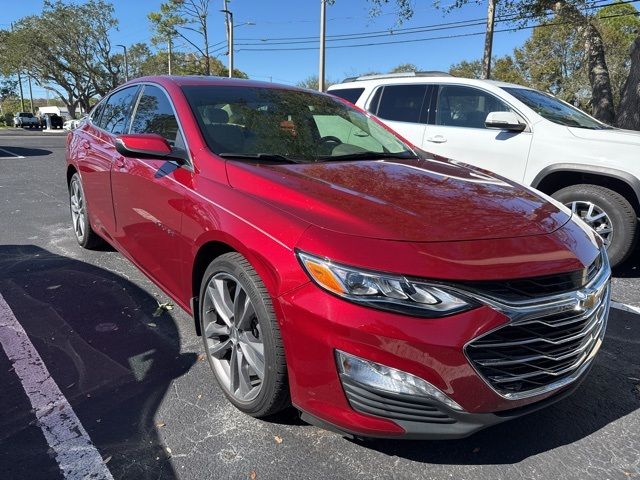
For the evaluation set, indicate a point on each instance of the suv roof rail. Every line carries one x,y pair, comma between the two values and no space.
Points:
427,73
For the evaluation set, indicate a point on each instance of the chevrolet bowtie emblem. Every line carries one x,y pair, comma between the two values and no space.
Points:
587,300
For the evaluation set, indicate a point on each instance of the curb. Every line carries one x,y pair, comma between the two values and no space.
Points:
625,308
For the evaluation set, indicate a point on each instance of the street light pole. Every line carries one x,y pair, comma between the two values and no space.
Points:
126,63
230,39
323,28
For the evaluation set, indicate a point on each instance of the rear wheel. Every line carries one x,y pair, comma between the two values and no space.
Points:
241,337
85,235
608,213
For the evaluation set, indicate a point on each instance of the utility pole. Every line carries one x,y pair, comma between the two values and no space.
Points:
229,21
323,29
30,94
488,39
126,63
170,48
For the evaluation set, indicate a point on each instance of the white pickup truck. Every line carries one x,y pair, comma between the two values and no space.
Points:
521,133
26,119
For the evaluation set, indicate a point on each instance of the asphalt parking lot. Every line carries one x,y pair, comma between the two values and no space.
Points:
131,378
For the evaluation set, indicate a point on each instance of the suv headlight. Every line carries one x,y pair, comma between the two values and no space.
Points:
384,291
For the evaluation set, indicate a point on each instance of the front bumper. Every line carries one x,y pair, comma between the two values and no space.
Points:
315,324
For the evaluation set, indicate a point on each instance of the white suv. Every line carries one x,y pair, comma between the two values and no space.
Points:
523,134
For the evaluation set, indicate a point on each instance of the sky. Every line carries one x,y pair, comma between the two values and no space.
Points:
257,20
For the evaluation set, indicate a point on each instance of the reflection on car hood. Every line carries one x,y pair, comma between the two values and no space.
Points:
405,200
614,135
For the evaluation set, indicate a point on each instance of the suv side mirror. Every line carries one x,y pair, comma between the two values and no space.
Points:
148,145
504,121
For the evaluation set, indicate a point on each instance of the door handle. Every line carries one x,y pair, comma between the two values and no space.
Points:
86,145
120,162
437,139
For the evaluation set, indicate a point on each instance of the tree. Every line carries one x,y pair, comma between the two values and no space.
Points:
404,67
629,108
66,49
177,16
311,82
504,69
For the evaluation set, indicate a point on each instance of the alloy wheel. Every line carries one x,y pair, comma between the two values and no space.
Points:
77,204
233,337
595,217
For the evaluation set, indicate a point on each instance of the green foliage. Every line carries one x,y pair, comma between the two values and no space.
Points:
504,69
311,83
404,67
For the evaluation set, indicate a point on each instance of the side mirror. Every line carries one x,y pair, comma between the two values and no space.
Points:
148,145
504,121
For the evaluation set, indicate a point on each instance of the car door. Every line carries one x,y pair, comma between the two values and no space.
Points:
148,195
456,130
402,108
96,152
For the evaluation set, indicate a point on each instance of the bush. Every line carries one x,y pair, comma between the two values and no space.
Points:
8,119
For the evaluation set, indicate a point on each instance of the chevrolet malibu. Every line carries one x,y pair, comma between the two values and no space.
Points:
332,266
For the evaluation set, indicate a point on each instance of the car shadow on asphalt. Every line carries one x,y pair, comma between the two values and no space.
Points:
25,151
610,392
112,359
631,267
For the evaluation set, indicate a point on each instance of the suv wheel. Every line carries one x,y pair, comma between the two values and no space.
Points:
608,213
241,337
85,235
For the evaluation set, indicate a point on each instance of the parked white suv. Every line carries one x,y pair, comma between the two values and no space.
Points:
25,119
523,134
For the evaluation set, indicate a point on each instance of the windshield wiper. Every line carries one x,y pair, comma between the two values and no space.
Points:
368,156
269,157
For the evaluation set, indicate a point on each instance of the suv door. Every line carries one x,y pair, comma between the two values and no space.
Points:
402,107
148,195
456,130
96,152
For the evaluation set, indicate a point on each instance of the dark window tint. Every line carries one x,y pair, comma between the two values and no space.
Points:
402,103
155,115
97,111
117,111
349,94
466,107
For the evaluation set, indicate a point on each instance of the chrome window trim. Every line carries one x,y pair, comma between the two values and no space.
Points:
523,312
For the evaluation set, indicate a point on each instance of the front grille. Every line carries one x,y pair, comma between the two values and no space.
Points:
408,408
527,288
536,352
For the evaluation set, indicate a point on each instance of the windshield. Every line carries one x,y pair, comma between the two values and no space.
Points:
554,110
297,125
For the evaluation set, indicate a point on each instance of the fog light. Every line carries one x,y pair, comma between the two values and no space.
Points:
389,379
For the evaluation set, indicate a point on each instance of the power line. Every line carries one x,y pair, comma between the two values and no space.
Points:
408,31
442,37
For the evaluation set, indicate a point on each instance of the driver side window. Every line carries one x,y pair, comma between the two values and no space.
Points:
467,107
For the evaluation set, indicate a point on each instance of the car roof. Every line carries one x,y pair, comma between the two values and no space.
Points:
383,80
196,80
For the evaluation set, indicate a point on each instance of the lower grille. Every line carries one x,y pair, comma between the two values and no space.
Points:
408,408
524,356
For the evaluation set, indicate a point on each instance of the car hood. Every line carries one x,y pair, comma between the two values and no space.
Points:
425,200
613,135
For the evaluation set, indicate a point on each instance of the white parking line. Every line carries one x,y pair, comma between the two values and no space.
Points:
13,155
625,307
74,452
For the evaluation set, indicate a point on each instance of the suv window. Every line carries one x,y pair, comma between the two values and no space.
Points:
460,106
402,103
155,115
117,111
349,94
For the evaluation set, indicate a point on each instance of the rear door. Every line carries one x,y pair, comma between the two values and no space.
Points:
96,152
402,107
148,195
456,130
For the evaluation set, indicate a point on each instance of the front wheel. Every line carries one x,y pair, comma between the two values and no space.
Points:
241,337
608,213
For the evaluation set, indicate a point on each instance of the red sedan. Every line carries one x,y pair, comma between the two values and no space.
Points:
330,265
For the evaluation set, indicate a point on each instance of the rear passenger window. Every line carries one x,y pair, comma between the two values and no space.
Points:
155,115
349,94
402,103
468,107
117,111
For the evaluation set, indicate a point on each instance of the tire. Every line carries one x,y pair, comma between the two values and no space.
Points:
272,395
80,223
622,216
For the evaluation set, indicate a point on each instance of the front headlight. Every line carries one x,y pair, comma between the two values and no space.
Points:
384,291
